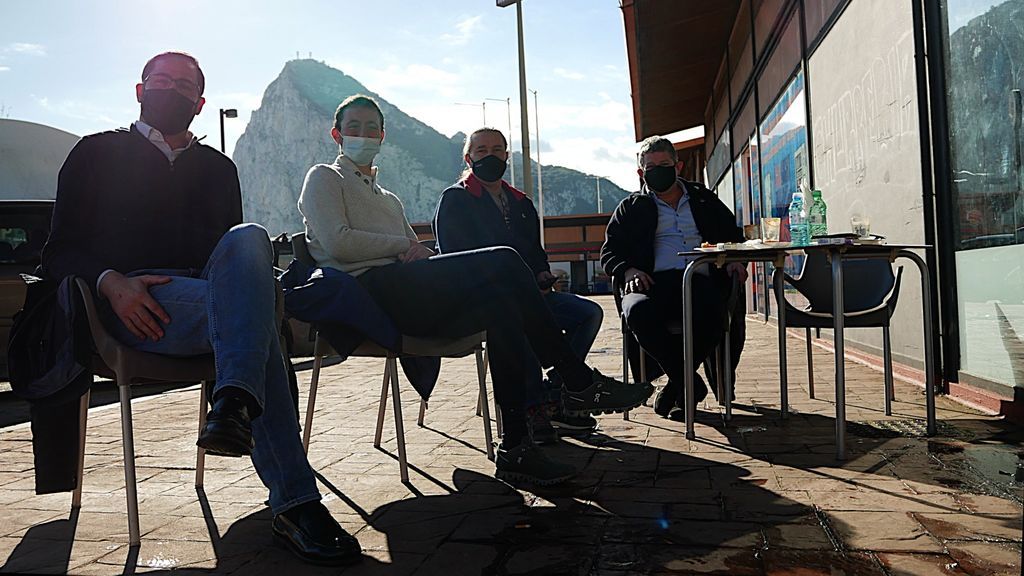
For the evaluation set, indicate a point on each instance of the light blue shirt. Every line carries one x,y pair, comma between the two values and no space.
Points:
676,232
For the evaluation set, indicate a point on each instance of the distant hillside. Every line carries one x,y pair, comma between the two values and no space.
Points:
290,132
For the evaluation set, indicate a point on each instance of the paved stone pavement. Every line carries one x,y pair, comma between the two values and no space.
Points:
756,496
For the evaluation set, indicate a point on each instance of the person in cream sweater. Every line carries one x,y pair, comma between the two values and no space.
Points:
354,225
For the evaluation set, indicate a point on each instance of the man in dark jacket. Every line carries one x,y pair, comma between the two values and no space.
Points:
482,210
152,219
644,236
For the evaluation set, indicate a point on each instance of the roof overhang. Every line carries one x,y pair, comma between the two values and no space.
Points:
674,51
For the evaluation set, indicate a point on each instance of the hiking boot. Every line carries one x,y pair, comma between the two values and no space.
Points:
541,431
526,463
573,425
605,396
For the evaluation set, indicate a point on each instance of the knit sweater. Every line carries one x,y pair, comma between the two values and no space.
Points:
122,205
352,224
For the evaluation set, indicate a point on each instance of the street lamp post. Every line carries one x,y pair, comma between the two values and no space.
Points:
228,113
524,118
508,108
483,109
598,180
540,181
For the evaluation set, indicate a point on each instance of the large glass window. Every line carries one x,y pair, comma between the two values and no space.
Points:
784,148
984,79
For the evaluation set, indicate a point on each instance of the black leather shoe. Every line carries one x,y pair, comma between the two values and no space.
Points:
700,391
311,533
667,398
228,431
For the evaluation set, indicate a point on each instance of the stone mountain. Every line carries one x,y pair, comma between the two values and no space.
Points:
290,132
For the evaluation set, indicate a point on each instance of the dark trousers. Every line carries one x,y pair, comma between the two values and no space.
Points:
458,294
647,315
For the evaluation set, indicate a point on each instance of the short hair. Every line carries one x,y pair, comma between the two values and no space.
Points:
201,79
357,101
484,130
656,144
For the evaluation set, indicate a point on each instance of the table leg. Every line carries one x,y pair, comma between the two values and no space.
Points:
840,353
780,304
691,406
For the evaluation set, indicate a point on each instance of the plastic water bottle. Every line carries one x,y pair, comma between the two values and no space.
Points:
798,231
817,216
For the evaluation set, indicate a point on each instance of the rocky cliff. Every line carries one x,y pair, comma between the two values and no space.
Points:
290,132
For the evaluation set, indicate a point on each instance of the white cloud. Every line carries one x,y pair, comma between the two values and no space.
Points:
26,48
4,68
466,28
79,110
569,74
612,158
243,100
608,115
421,77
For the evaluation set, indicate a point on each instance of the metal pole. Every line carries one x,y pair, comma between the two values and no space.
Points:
540,181
524,113
483,108
222,146
512,165
599,195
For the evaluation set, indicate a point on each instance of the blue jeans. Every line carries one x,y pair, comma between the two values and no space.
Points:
228,309
581,319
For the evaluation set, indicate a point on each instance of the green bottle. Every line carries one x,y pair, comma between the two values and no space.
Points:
816,216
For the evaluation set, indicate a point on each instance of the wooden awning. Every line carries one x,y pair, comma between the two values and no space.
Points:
675,49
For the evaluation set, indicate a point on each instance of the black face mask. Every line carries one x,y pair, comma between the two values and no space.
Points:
660,178
489,168
167,110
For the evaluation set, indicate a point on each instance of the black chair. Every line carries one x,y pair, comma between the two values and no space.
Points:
715,365
870,292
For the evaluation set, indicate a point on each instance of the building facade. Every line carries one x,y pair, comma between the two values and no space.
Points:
906,113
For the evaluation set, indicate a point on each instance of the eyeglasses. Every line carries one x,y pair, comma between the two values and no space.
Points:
160,81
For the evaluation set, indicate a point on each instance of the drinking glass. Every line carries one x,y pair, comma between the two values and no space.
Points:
751,231
770,229
861,225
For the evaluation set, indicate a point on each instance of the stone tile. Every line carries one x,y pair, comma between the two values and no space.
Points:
882,532
981,527
919,564
987,557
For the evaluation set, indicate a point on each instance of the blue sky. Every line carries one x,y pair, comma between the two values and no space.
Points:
74,64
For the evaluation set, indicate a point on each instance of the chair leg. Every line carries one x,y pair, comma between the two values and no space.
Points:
83,416
403,463
810,365
423,412
383,404
128,443
719,385
307,428
481,371
200,453
625,357
726,378
887,354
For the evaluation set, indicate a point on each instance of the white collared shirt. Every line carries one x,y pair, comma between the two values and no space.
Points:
156,138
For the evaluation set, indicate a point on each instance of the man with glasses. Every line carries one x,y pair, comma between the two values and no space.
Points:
152,219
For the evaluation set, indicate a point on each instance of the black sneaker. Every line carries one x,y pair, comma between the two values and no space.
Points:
526,463
570,425
541,431
606,396
700,392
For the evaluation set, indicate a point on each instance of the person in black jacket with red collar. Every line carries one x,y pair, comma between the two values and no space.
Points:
642,241
482,210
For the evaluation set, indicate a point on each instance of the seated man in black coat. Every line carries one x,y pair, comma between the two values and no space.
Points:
644,236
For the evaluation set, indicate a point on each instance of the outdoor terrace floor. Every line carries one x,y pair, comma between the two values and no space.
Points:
756,496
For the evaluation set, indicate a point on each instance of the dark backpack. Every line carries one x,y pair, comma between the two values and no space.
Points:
50,347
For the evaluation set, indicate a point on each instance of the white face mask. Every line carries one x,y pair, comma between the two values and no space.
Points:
360,151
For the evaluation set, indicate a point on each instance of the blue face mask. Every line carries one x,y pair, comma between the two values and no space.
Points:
361,151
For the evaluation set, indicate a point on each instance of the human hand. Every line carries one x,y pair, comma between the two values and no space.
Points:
134,305
545,280
637,281
415,252
737,270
